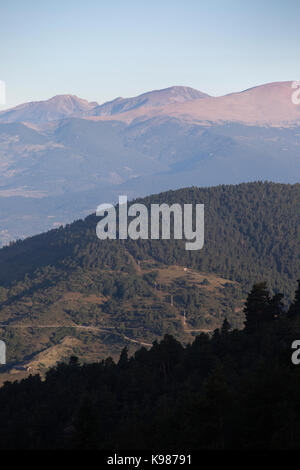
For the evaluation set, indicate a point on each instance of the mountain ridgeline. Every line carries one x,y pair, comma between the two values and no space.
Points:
251,230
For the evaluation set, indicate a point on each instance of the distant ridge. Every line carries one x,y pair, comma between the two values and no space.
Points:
156,98
58,107
264,105
269,104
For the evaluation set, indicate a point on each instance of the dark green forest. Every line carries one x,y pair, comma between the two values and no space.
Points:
233,389
123,288
251,230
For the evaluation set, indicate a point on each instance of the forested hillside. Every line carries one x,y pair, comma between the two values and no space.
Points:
66,291
232,390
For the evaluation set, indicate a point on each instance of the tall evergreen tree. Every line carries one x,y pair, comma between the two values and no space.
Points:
226,327
257,307
123,361
276,306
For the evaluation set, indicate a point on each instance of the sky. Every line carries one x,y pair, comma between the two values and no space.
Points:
99,50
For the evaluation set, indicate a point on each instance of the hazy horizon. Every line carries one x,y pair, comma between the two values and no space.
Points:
4,108
100,51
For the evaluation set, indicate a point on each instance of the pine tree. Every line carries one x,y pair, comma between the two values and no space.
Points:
226,327
123,361
257,308
276,306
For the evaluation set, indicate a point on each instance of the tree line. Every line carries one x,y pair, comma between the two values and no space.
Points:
232,389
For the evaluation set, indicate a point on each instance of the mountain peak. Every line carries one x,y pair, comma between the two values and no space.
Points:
150,99
69,99
57,107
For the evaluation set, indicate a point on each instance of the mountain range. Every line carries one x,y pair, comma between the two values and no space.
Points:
62,157
268,104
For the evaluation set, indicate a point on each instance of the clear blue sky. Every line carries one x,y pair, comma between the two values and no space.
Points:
101,49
